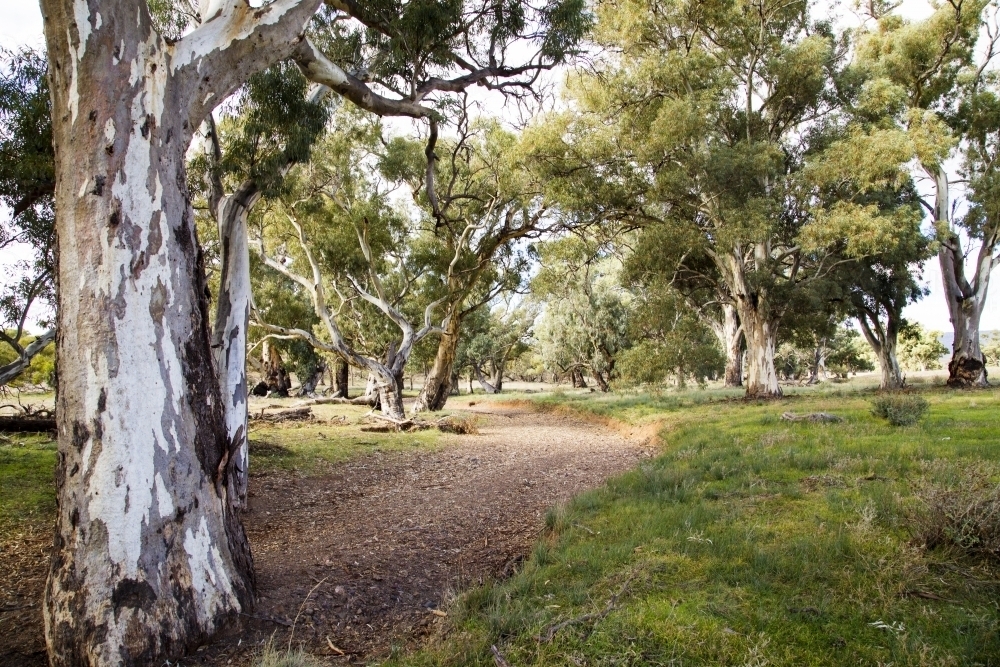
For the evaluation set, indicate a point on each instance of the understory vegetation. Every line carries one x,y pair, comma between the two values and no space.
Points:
749,540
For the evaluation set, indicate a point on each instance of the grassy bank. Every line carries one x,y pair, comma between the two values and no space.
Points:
753,541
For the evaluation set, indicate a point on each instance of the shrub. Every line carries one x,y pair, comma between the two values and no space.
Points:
460,425
963,513
899,409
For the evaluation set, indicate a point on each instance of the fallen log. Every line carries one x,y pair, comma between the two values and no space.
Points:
824,417
294,414
18,424
336,400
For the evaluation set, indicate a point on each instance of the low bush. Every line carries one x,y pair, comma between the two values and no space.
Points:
959,508
460,425
899,409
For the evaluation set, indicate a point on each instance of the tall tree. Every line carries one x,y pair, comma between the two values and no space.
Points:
716,104
928,74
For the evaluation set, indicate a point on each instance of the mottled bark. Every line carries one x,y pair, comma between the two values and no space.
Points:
149,557
732,344
965,298
309,384
439,383
576,377
761,338
229,334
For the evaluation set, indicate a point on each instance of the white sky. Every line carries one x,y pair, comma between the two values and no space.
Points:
22,26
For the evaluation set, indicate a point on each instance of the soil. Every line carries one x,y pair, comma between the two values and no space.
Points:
368,557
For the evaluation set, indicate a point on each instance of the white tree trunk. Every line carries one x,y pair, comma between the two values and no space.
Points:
229,336
761,336
150,557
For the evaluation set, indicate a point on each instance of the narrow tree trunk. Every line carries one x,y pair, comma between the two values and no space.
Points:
498,371
229,335
455,382
733,346
483,382
342,379
602,382
761,336
883,339
576,376
818,362
438,385
309,384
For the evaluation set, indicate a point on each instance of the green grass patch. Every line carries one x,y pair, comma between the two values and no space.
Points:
27,479
752,541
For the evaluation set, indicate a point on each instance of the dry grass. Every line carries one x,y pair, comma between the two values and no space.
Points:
959,508
271,656
460,425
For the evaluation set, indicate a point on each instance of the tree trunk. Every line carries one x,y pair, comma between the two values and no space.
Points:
455,382
892,376
576,376
309,384
483,382
342,379
229,335
818,362
275,374
732,340
967,367
438,385
761,336
883,339
603,383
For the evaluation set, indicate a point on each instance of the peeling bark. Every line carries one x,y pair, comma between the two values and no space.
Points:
150,557
761,338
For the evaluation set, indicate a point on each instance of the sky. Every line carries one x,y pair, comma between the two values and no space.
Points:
22,26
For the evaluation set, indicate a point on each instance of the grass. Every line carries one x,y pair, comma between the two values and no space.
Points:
27,481
751,541
310,447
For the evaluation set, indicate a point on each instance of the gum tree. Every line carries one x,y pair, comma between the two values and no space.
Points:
935,76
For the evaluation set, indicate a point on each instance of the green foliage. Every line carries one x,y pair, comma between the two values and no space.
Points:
848,353
584,324
669,341
919,349
899,409
991,349
274,123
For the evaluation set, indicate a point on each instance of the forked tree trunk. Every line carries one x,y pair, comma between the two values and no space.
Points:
309,384
150,557
761,337
883,339
967,367
576,376
603,383
438,384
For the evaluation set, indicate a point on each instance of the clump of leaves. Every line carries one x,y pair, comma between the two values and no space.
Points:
899,409
460,425
962,512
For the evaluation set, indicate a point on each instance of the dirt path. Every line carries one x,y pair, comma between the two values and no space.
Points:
383,541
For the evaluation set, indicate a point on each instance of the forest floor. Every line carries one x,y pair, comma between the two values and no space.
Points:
361,540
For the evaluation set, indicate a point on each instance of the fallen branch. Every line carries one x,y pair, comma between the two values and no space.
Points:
596,616
20,424
336,400
824,417
498,657
294,414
